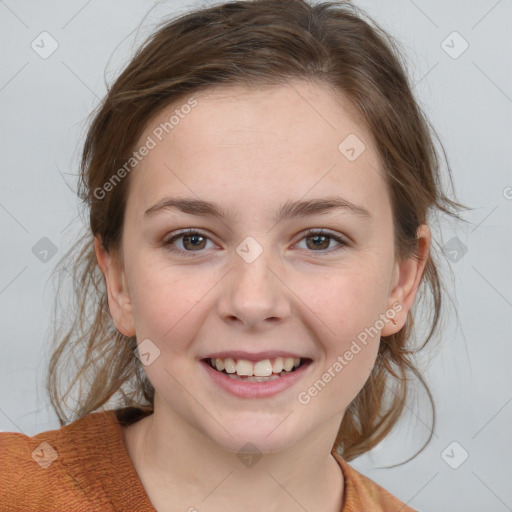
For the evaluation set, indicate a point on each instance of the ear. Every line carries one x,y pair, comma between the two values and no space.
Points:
406,281
119,301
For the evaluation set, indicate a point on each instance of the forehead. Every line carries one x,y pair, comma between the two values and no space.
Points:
259,147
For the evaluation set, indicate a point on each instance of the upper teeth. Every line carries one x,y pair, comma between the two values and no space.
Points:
263,368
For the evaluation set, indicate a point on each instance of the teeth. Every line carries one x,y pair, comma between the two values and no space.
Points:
229,365
288,363
244,367
278,365
264,368
254,379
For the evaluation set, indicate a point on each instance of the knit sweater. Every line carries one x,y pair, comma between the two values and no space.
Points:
84,466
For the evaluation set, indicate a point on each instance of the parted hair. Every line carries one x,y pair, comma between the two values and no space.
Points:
255,43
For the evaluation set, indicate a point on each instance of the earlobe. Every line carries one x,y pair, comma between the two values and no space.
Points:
117,289
408,276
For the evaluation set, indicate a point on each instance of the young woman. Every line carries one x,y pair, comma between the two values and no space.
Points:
259,180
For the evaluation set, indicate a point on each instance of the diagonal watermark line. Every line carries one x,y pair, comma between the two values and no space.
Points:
14,76
425,75
17,426
311,105
62,176
198,402
342,411
485,15
508,508
69,223
492,418
197,302
217,486
35,411
76,14
13,13
89,294
279,424
410,499
306,193
79,286
492,81
80,79
285,490
332,332
13,218
484,218
424,14
413,412
378,172
494,288
12,280
227,227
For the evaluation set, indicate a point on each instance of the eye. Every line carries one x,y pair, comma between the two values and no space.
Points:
193,241
190,239
321,240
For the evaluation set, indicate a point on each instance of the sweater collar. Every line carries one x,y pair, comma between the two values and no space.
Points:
96,457
98,437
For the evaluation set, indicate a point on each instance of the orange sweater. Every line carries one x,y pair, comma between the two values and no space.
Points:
84,466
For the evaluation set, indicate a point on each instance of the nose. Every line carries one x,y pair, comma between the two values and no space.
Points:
254,293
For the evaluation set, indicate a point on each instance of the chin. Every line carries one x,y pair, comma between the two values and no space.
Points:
251,434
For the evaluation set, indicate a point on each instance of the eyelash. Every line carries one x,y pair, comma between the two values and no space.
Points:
310,232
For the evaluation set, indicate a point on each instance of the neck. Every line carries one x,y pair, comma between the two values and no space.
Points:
180,465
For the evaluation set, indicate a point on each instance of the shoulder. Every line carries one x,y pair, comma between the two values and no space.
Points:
54,468
362,493
28,465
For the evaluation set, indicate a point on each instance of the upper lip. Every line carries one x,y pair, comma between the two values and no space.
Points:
253,356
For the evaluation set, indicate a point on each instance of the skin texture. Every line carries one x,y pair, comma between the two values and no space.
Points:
250,151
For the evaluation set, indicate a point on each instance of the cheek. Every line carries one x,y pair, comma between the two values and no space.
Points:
352,300
351,308
167,302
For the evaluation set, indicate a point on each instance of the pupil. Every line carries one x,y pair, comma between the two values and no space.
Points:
317,238
195,243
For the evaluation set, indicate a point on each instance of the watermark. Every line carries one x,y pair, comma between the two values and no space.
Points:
249,249
304,397
454,249
44,455
454,45
150,143
146,352
249,455
454,455
44,249
45,45
352,147
174,120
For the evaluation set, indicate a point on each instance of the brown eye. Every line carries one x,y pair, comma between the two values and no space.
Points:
319,241
190,241
194,241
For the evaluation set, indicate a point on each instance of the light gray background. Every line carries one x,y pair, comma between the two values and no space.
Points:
44,104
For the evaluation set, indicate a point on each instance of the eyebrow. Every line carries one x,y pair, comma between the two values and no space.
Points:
288,210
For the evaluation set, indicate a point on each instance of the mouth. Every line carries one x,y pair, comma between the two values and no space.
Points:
257,371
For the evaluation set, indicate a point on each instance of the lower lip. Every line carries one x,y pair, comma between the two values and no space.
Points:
245,389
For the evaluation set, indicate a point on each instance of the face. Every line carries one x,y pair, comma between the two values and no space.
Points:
253,283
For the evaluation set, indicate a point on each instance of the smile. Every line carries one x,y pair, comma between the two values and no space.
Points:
263,368
258,379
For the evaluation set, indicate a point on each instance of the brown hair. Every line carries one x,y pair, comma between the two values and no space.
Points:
254,43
